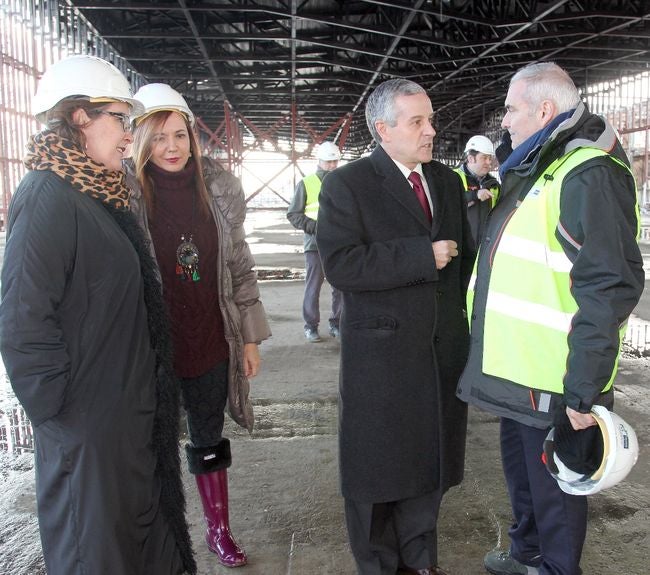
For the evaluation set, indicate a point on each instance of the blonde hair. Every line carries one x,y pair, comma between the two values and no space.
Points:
142,150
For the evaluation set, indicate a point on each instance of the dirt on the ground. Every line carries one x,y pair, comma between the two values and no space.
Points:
286,509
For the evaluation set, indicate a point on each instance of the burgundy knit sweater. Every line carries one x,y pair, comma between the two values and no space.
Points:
196,318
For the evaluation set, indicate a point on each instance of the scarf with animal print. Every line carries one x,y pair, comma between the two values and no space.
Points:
49,151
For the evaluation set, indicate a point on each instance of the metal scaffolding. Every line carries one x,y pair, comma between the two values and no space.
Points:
35,33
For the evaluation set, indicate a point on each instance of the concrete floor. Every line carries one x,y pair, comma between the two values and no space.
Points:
285,505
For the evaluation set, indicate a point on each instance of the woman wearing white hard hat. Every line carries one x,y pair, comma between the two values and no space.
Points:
194,211
85,342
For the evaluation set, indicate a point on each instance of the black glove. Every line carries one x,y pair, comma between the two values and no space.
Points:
582,450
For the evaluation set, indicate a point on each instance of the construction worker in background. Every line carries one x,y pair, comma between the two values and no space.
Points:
302,214
481,187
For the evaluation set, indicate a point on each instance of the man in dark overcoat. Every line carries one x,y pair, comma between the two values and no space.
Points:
401,253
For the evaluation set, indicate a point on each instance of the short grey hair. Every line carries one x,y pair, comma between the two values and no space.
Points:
381,103
547,81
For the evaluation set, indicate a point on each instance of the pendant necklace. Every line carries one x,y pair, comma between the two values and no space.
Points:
187,254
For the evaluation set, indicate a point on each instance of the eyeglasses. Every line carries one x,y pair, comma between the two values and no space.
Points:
124,118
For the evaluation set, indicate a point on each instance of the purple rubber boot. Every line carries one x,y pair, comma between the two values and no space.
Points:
213,488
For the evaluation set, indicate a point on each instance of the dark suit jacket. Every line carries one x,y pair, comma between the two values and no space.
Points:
404,334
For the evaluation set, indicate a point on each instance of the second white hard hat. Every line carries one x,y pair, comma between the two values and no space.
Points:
620,450
480,144
85,76
162,97
328,152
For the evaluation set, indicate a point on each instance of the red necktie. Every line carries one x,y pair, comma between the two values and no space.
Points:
418,188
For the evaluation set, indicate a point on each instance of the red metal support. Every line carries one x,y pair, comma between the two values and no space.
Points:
345,131
215,140
319,138
261,134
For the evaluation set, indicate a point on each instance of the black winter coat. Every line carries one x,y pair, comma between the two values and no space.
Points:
78,350
478,211
404,335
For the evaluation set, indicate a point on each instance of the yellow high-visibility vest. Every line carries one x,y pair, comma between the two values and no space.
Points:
312,187
463,178
529,305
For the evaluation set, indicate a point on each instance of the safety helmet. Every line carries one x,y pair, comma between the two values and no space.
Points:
328,152
620,452
82,75
159,97
480,144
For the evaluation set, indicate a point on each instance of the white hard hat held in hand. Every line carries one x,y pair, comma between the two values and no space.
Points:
618,450
82,76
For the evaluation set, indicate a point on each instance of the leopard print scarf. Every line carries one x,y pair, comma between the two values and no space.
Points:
49,151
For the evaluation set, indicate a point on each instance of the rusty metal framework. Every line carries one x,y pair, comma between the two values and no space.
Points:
32,36
283,75
325,56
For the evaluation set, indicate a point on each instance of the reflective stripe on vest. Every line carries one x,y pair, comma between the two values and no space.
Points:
312,188
463,178
529,306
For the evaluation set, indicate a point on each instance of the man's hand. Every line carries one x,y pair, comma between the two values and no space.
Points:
484,194
443,251
580,420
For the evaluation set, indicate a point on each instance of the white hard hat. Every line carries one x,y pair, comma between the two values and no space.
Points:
620,452
82,75
328,152
159,97
480,144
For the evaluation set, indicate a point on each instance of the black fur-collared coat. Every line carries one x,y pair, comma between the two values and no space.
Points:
85,342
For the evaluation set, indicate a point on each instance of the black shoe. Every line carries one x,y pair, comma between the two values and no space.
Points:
502,563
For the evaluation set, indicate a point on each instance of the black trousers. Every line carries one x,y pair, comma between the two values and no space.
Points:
204,399
385,536
549,526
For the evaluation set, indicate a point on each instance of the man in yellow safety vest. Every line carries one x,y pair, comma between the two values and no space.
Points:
303,213
481,187
558,273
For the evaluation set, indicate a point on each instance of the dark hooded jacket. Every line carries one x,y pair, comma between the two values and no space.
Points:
477,211
85,342
597,230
